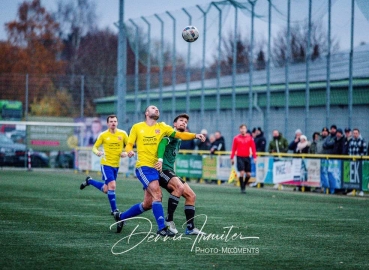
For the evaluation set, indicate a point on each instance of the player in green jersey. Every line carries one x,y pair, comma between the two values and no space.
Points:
167,152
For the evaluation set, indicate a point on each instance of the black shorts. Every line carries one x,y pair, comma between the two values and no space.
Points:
244,164
165,177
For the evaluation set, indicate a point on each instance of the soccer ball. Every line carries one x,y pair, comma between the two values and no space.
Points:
190,33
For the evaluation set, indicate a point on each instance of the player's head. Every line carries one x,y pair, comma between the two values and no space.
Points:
112,122
181,121
243,129
152,112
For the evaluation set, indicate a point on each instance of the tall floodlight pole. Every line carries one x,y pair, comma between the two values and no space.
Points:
328,90
188,66
251,61
136,70
161,62
287,79
307,61
202,104
350,92
174,65
218,63
266,127
122,68
148,68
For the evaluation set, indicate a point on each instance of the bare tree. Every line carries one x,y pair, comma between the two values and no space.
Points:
299,43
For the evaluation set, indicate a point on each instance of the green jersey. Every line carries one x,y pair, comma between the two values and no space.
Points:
171,151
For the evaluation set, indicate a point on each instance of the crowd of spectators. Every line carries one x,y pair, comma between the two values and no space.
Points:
333,141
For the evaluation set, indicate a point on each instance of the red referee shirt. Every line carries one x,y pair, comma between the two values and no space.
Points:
243,146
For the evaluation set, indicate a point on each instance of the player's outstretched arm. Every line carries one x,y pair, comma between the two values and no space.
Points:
186,136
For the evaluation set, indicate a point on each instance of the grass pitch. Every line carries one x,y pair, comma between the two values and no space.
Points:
48,223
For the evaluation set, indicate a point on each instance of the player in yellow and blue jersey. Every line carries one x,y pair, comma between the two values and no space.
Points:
147,136
114,141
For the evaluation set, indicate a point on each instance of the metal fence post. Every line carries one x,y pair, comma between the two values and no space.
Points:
148,68
188,66
288,56
174,65
251,62
350,92
307,83
82,95
202,113
161,61
122,68
218,63
136,71
328,90
266,127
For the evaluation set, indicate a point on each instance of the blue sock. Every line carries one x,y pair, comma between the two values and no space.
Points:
97,184
111,197
158,211
135,210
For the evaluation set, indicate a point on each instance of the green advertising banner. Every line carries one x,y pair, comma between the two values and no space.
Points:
351,174
209,167
365,176
189,166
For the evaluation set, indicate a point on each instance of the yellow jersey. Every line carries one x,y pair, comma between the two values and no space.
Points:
147,139
113,145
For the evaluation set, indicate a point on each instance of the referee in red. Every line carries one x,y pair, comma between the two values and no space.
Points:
243,147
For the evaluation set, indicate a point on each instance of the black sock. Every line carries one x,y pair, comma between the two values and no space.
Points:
247,180
242,183
190,216
172,206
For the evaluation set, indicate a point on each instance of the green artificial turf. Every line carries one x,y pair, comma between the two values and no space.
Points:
47,222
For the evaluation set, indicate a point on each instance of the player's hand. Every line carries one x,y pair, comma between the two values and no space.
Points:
159,166
99,153
201,137
123,154
255,160
131,154
232,161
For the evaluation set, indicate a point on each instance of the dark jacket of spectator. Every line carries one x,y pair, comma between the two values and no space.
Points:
218,145
346,145
339,145
314,144
260,141
187,145
278,145
328,144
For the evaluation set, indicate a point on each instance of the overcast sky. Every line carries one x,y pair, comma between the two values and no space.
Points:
107,11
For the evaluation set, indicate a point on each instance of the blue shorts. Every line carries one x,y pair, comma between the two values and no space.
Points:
109,173
146,175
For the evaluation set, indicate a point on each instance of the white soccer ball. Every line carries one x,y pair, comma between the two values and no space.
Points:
190,33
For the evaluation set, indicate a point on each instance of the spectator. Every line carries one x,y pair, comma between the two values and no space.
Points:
339,143
279,144
313,146
260,140
328,144
348,138
187,145
303,146
323,137
357,146
218,144
293,145
206,144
